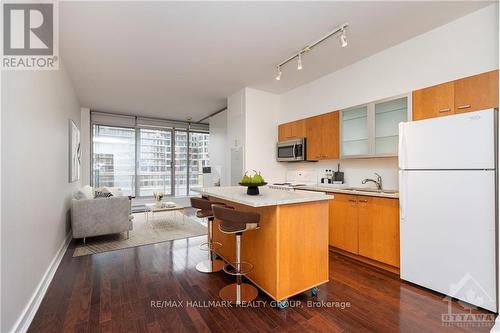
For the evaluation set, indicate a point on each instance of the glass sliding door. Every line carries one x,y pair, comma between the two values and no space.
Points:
181,163
198,158
154,171
113,162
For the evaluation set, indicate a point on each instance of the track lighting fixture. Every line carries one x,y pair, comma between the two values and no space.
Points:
298,55
343,39
278,76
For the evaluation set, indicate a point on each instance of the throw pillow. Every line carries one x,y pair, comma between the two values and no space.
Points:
101,194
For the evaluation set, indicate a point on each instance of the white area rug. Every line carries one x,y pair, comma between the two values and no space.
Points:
163,227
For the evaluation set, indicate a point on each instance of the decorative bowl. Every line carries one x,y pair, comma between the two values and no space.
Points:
253,188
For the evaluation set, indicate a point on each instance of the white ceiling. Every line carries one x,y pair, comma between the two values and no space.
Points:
182,59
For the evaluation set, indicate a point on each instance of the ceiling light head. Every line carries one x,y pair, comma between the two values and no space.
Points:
299,61
278,76
343,39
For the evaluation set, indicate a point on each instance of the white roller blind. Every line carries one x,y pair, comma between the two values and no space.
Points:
110,119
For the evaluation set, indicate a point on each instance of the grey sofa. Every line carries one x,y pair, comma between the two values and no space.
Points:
102,216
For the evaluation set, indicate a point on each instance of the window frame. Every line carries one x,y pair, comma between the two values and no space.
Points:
137,129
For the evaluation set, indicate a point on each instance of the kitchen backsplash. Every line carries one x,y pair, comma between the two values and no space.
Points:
355,170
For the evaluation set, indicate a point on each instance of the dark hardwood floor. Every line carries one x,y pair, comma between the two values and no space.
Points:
114,292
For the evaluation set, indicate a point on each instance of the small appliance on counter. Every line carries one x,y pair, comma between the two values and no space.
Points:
333,177
338,177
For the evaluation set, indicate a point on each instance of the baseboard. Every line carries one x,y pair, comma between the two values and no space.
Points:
24,321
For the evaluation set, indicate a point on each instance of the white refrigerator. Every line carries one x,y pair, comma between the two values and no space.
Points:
447,183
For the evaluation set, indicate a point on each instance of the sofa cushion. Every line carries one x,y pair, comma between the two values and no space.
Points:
84,193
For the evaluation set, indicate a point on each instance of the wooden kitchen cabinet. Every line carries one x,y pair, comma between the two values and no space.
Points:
343,222
378,227
473,93
476,92
435,101
322,133
366,227
292,130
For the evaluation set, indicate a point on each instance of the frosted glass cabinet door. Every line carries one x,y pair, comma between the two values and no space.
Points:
388,115
355,131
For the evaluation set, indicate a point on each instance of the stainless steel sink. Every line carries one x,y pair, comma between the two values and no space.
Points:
371,190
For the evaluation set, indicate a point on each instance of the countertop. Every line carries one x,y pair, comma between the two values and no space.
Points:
345,190
267,196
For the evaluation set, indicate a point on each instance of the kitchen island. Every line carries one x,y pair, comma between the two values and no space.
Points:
289,251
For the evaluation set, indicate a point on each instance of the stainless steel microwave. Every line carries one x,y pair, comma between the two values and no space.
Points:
291,150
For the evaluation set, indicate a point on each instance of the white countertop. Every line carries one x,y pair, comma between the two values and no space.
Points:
267,196
344,189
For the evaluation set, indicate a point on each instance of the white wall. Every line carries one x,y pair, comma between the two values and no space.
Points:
252,121
235,136
218,145
261,135
36,109
85,143
460,48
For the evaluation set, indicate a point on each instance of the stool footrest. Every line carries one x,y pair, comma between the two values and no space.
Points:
231,268
207,246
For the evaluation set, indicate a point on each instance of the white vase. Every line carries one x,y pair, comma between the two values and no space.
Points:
158,203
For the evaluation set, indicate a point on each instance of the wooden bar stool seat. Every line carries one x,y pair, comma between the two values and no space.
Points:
211,264
237,222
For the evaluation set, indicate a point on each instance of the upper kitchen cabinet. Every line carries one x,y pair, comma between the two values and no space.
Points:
472,93
322,133
292,130
435,101
372,130
476,92
355,132
388,115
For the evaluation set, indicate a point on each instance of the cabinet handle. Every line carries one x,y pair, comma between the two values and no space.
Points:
352,200
364,201
444,110
466,106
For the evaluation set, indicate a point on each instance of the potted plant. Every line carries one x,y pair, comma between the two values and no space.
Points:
158,197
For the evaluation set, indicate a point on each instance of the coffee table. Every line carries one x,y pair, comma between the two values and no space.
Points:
152,208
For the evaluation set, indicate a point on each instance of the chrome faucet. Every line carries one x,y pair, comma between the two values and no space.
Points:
378,182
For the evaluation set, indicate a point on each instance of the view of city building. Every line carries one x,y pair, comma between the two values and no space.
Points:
156,170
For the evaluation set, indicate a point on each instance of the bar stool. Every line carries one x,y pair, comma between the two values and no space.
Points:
210,265
237,222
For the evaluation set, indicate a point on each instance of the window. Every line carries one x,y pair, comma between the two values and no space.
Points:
198,159
114,157
143,160
154,173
